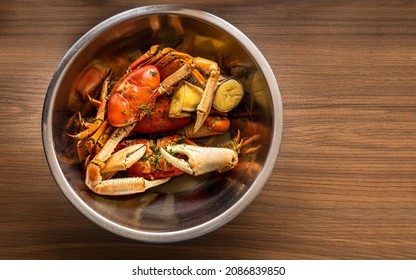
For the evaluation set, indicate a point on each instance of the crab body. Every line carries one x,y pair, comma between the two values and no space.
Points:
158,121
132,97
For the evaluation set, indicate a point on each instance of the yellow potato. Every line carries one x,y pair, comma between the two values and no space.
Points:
228,95
184,100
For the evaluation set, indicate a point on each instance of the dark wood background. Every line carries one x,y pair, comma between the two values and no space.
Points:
344,186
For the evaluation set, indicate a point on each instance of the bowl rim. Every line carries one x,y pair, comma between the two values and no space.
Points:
230,213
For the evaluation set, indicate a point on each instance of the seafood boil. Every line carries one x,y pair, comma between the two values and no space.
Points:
139,130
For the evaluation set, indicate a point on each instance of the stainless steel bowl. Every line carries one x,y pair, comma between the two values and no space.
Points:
186,208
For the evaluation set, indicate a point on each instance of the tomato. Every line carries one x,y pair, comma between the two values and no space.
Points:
145,76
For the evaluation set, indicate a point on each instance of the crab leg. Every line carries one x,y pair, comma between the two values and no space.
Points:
179,75
206,101
122,160
82,150
103,138
145,58
191,66
99,119
125,186
92,140
104,161
213,125
201,160
93,176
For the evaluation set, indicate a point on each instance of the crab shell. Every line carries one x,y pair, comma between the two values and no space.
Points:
133,96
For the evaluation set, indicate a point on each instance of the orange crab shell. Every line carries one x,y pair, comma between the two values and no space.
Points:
131,105
133,96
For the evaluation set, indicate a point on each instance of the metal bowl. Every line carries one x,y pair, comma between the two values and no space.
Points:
187,207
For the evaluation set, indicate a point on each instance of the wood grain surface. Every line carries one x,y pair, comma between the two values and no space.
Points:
344,185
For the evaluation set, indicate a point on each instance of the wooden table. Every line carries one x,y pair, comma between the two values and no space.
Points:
344,186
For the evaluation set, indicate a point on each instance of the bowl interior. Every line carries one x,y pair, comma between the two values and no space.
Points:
185,207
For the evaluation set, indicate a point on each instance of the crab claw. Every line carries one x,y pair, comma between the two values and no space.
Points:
200,160
125,186
119,161
124,158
